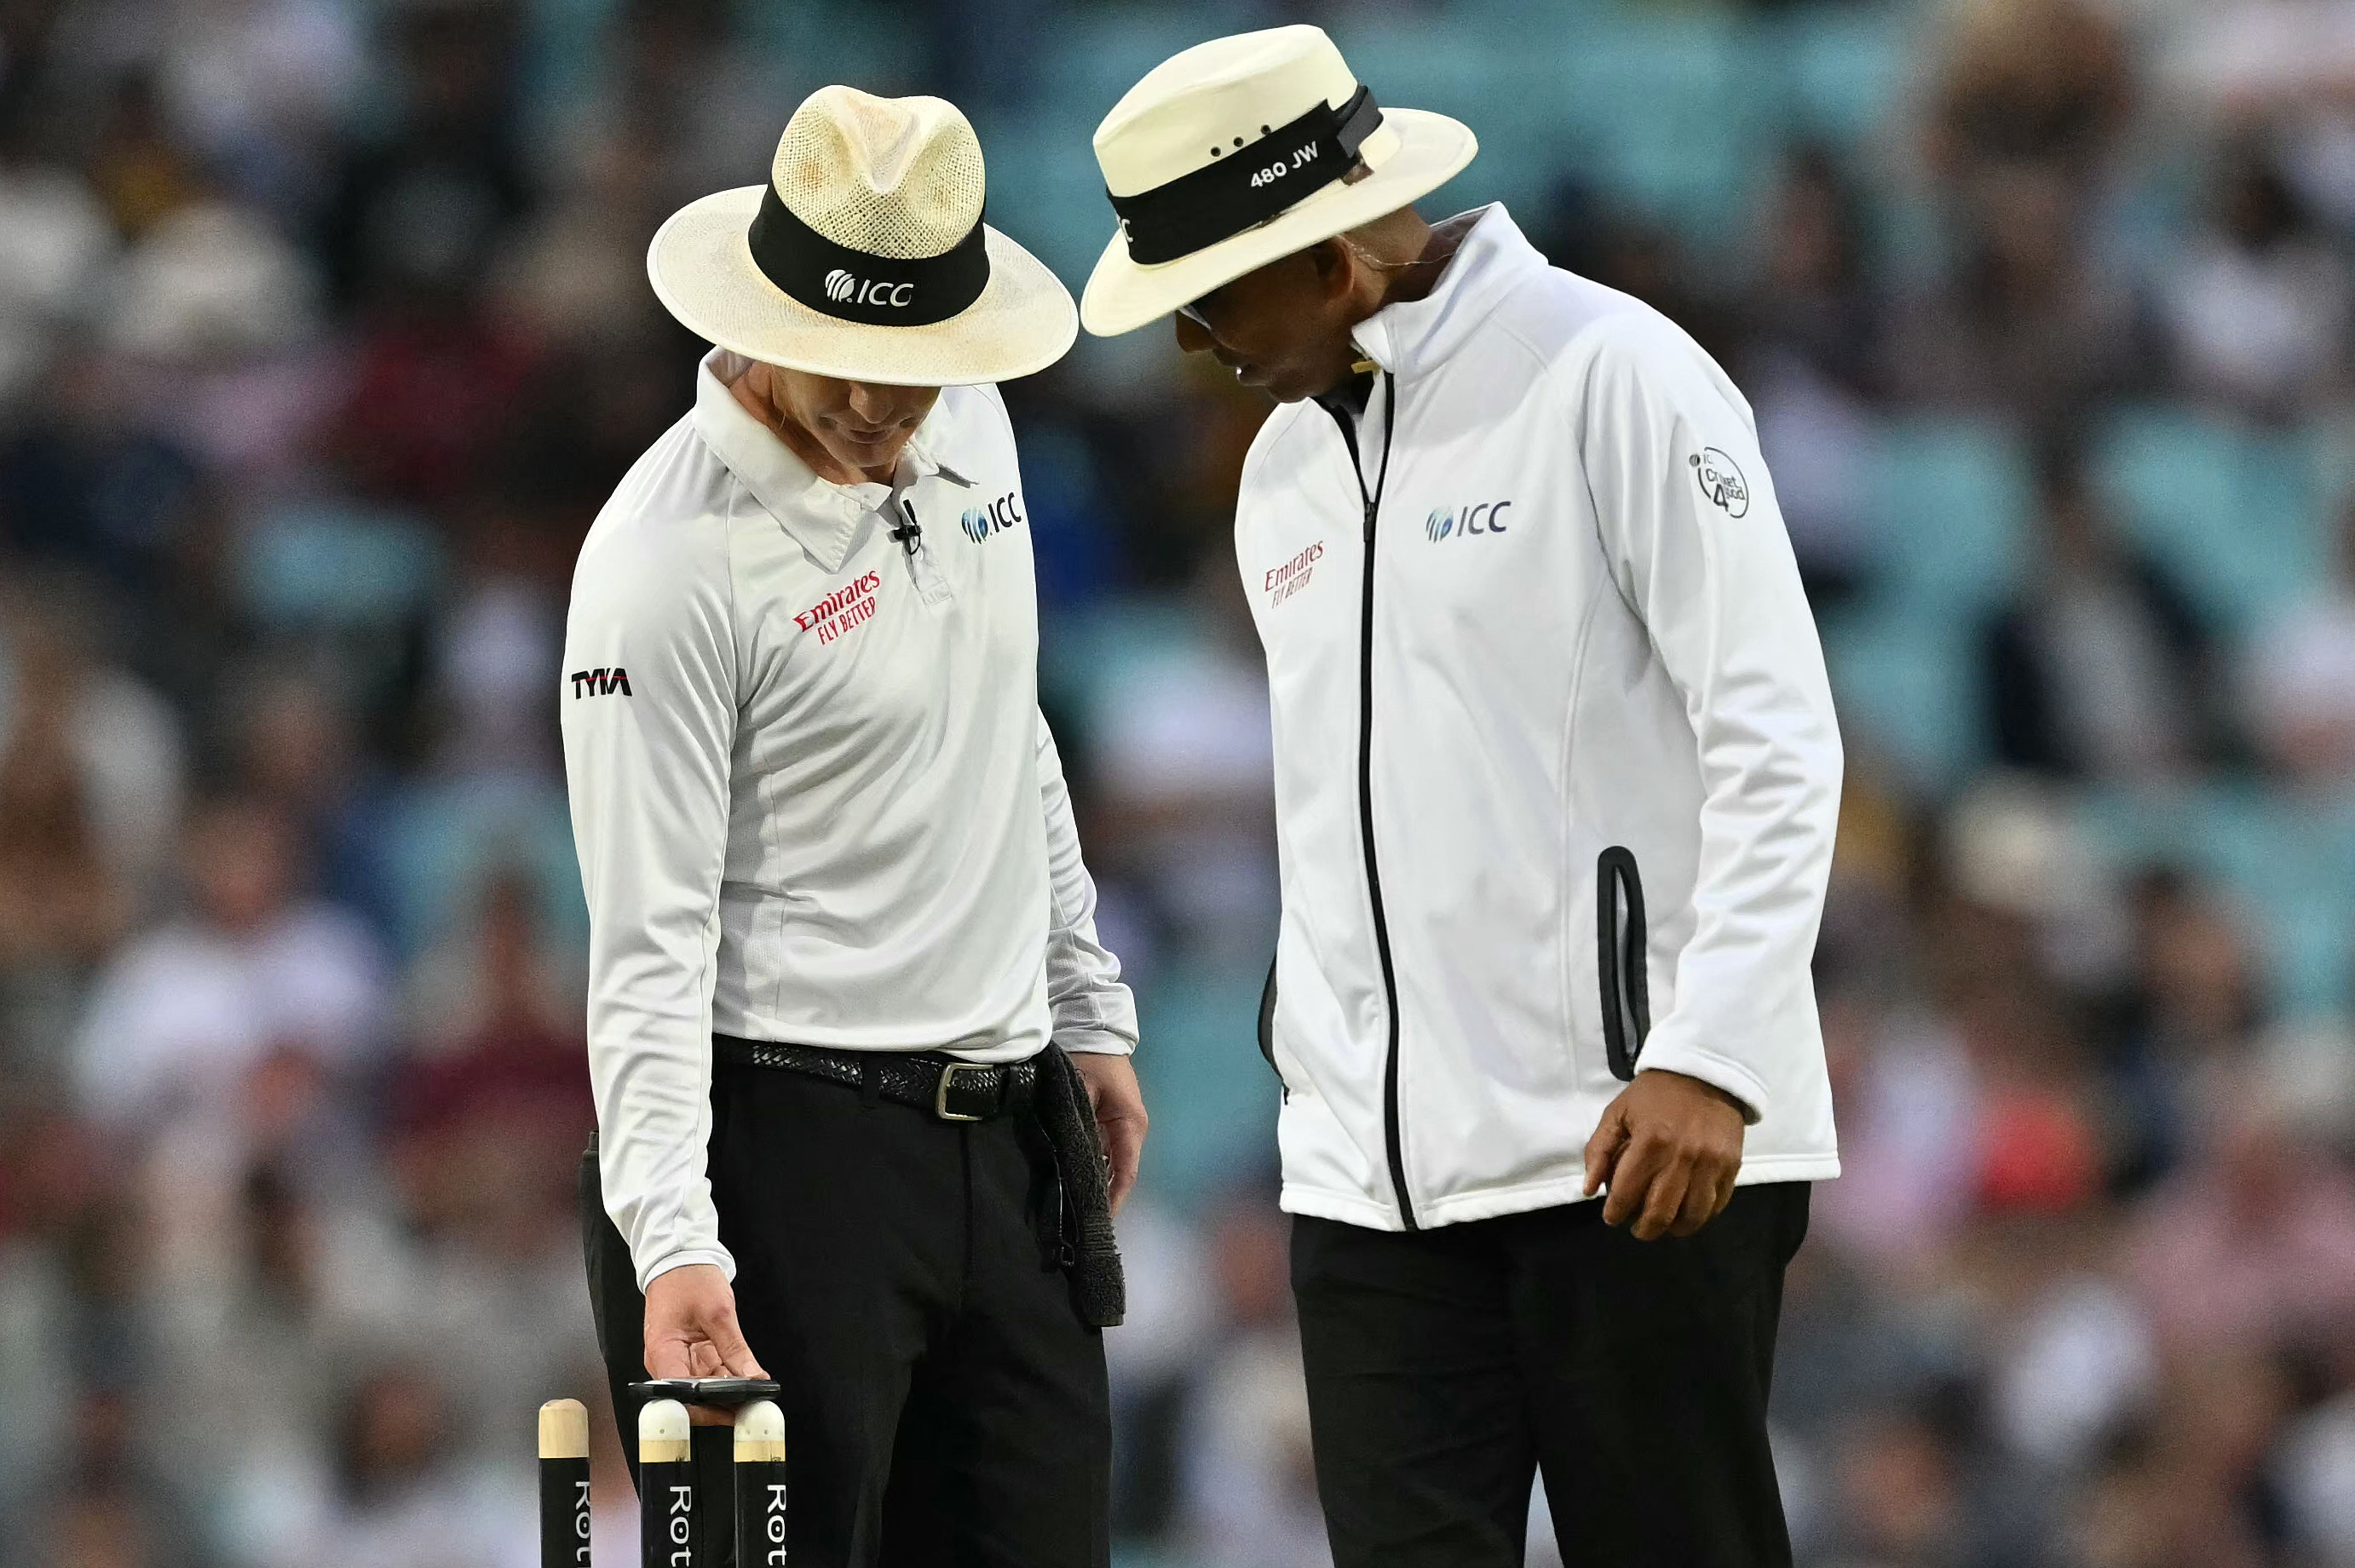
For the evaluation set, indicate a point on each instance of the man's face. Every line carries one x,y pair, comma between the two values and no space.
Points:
861,424
1284,328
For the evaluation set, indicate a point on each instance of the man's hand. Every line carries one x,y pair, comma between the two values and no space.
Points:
1668,1148
691,1331
1119,1106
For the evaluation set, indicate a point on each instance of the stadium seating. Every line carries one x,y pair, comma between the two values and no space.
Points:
2289,862
331,566
2235,510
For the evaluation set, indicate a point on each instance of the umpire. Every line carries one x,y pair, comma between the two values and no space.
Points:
1540,668
841,938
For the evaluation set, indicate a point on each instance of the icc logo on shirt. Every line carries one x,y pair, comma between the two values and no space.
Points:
980,522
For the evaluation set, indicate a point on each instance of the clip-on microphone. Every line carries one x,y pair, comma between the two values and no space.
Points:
909,534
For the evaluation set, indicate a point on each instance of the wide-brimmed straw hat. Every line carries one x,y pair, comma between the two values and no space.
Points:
1240,151
865,256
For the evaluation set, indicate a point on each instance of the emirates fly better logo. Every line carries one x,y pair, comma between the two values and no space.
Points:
844,289
847,609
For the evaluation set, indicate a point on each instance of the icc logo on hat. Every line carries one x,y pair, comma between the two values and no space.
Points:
840,286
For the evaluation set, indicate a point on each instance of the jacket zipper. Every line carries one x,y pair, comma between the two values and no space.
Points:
1373,501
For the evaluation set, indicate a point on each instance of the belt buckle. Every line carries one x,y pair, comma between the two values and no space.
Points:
949,1070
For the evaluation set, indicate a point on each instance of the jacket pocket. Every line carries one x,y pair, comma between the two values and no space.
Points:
1267,1028
1620,961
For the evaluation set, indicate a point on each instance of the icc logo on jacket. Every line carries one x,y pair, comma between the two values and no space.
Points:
1485,517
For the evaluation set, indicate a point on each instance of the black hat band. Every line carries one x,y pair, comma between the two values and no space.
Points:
1244,189
854,286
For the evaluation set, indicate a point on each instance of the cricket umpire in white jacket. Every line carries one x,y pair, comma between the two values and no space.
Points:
841,938
1556,780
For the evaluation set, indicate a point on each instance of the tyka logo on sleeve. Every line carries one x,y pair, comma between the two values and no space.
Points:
601,683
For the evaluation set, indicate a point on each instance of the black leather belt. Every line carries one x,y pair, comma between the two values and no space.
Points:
949,1089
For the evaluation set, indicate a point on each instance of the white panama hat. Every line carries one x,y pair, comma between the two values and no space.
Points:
865,256
1235,152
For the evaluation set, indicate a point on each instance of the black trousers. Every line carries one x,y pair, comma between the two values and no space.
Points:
1446,1367
943,1404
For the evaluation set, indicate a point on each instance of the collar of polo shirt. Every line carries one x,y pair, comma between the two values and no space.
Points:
822,517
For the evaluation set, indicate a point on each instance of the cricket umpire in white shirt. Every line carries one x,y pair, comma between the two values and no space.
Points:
1556,776
841,938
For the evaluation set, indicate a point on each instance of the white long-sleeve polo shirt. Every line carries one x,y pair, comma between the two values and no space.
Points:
812,793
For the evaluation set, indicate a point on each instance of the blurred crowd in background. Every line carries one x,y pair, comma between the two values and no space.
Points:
323,332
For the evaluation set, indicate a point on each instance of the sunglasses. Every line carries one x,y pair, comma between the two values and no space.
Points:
1193,312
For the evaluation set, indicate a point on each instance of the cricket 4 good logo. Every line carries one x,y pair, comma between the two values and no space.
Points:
1721,480
601,683
980,522
841,286
1481,517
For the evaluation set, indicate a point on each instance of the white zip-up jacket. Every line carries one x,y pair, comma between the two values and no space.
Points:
1560,679
813,796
